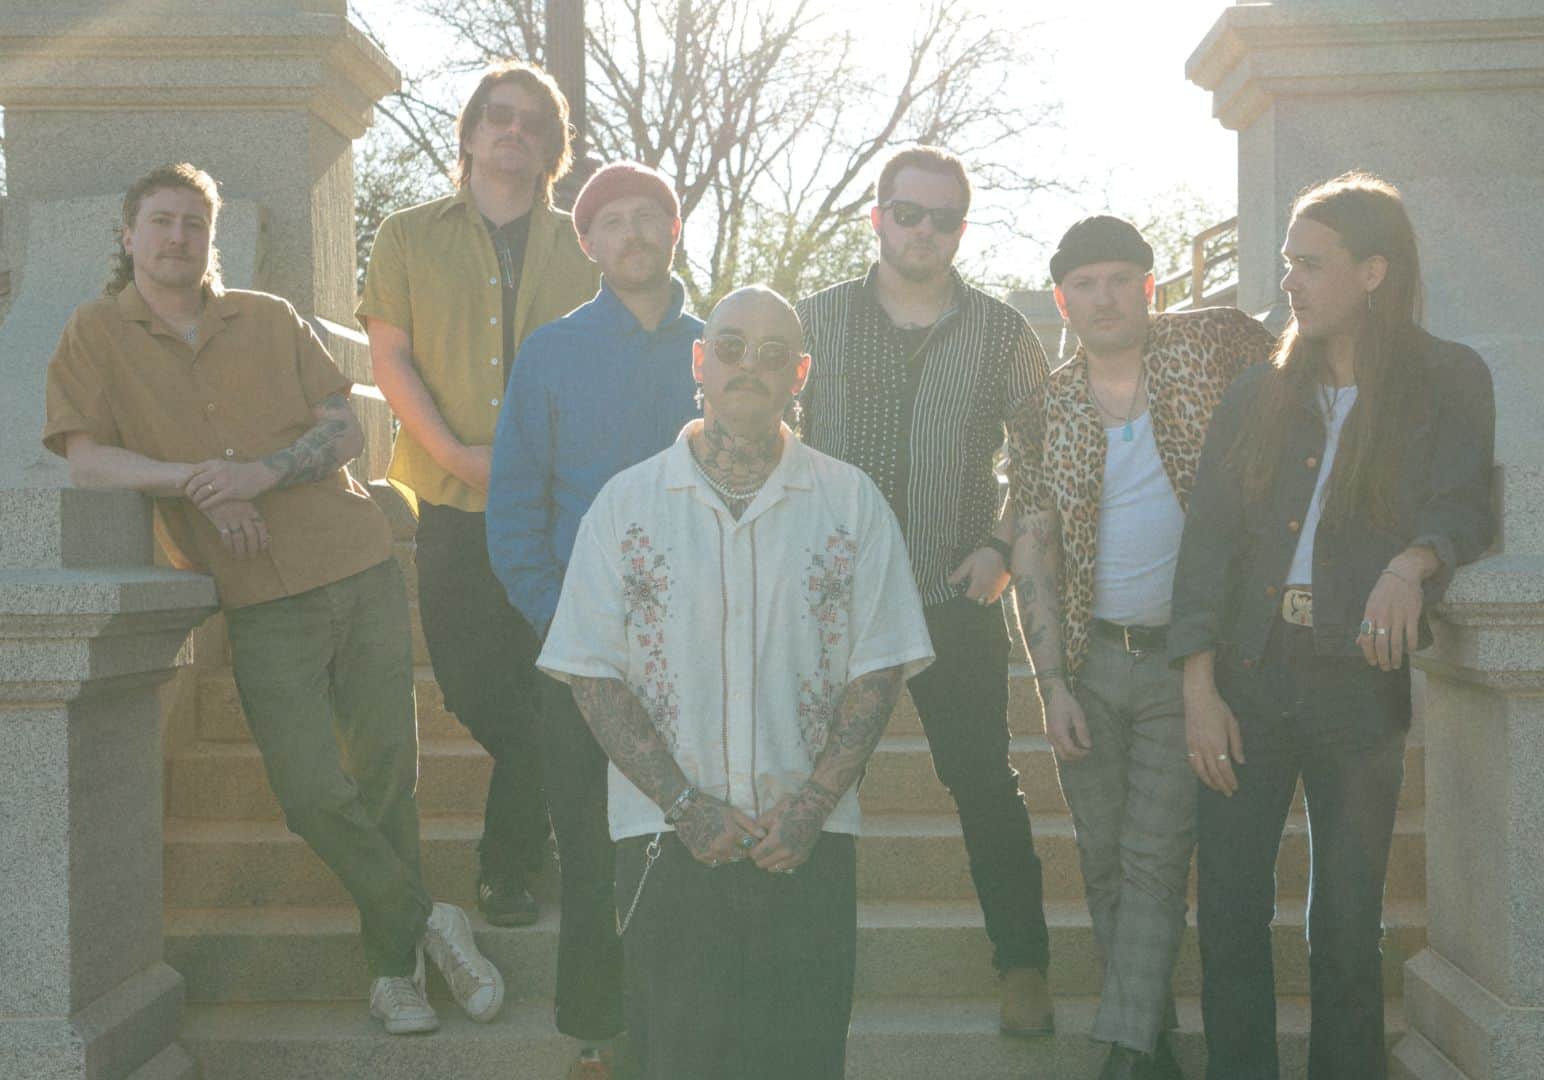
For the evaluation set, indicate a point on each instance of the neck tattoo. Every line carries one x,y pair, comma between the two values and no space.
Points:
735,466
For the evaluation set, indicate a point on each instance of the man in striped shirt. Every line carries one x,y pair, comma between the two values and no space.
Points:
915,374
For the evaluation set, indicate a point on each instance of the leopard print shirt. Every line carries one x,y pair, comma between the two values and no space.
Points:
1056,441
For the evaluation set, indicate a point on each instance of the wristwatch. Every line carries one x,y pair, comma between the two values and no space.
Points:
1002,547
682,803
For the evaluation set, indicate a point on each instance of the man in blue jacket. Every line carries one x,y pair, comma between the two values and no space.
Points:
592,393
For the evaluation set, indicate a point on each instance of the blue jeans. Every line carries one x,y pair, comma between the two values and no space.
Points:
1340,725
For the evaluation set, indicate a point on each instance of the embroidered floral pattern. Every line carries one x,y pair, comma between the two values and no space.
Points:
828,591
646,597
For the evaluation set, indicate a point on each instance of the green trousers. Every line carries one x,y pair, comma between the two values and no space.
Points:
326,682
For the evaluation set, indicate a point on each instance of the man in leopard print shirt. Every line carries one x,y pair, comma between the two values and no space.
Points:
1112,438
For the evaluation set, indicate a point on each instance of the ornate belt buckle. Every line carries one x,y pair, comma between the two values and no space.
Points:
1297,606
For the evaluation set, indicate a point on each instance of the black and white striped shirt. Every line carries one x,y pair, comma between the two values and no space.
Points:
925,423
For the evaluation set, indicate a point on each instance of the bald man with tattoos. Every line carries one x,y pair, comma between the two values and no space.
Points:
736,622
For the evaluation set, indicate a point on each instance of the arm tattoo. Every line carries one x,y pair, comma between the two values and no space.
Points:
622,727
313,456
861,717
1034,587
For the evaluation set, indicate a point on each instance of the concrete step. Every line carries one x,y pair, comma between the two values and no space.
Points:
224,779
905,948
901,857
890,1039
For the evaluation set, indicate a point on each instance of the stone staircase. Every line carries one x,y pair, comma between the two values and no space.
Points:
266,939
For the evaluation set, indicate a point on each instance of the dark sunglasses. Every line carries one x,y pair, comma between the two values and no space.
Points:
769,356
909,215
532,121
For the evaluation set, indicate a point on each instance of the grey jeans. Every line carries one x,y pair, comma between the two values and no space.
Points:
1133,802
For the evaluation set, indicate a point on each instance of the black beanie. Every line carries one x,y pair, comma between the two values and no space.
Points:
1096,239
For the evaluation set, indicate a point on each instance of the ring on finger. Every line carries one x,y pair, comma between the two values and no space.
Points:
1381,631
1366,628
1222,757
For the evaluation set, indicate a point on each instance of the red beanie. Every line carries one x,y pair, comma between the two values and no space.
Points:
616,181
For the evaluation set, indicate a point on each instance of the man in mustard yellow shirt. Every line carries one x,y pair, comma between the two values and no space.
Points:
453,287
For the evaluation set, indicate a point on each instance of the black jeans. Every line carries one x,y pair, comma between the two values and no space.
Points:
734,973
962,698
1340,725
484,658
589,985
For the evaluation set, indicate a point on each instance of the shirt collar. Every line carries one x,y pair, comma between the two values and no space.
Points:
218,307
461,200
870,290
616,316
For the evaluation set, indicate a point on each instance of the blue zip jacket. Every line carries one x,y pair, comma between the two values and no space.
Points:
591,394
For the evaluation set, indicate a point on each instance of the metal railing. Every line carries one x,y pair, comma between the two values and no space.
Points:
1213,266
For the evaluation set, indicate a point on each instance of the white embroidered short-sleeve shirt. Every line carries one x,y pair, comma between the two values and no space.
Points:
737,636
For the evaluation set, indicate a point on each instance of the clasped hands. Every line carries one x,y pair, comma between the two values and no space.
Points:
779,841
224,492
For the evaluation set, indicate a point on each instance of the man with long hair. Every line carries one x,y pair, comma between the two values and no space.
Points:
1339,488
1103,455
453,287
223,406
737,743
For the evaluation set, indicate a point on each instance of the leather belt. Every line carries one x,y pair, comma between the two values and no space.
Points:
1297,605
1134,639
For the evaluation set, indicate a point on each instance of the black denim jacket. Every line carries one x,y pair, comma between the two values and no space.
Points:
1234,556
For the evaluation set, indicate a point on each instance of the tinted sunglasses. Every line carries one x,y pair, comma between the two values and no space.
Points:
770,356
532,121
908,215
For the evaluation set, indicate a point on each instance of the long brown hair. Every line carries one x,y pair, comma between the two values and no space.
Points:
1369,216
544,88
181,175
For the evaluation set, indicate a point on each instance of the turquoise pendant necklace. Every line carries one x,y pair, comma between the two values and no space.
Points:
1126,434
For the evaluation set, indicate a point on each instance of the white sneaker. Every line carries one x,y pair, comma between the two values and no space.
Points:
398,1002
474,982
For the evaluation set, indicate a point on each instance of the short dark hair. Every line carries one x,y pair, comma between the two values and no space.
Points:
928,158
544,88
181,175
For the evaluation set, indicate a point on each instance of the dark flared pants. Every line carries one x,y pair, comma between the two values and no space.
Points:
1339,725
589,978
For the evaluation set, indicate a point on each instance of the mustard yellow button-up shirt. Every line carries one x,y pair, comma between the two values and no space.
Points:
434,274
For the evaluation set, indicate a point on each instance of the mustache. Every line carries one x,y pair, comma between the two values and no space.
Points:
746,384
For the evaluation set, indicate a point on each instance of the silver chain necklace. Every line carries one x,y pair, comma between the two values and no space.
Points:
728,493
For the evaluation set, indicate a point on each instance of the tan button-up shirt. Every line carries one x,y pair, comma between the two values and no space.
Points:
434,274
243,390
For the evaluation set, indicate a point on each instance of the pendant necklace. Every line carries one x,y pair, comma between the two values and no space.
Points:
1126,434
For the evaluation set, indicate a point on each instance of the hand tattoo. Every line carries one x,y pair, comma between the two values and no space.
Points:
704,822
314,456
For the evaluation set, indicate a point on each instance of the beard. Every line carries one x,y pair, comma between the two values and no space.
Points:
918,261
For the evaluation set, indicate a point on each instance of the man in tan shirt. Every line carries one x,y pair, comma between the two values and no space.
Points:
223,406
453,287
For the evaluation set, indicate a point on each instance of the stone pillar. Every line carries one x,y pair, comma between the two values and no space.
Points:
1447,101
267,95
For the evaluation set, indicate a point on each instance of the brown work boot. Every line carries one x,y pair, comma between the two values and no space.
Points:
1026,1003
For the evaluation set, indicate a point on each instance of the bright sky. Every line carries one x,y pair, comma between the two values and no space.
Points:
1133,128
